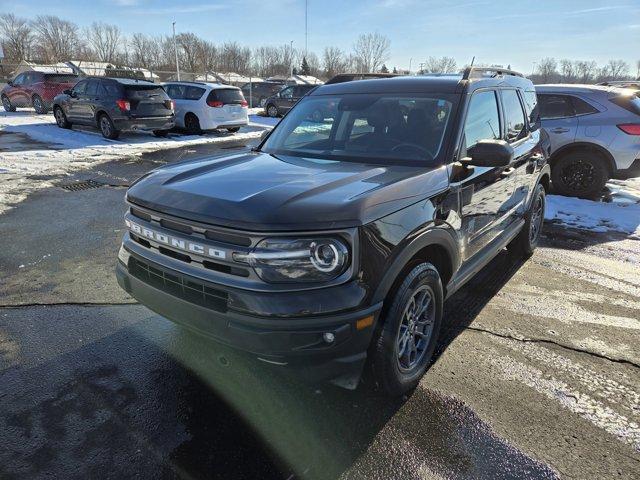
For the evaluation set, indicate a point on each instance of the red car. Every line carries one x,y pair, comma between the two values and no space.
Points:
35,89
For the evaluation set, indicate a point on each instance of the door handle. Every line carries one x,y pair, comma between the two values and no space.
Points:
559,130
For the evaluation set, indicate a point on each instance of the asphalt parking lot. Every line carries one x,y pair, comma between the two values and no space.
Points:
537,376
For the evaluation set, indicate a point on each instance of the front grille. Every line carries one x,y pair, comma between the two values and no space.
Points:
179,286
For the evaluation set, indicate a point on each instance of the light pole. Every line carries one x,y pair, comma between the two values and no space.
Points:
410,60
291,59
175,46
533,68
306,31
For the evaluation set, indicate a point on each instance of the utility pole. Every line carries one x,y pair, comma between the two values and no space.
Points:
306,31
175,46
291,59
410,60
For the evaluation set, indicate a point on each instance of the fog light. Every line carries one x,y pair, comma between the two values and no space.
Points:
328,337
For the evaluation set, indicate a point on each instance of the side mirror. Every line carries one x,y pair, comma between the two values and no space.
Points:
489,153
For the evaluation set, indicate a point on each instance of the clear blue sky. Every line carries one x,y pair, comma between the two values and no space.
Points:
499,31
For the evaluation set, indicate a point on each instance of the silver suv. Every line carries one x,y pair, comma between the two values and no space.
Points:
594,133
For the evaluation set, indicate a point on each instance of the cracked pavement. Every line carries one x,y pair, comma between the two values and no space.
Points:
537,373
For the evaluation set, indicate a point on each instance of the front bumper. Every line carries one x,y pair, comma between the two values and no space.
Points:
144,124
297,343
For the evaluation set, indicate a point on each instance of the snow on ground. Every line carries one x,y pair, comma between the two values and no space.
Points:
618,211
56,151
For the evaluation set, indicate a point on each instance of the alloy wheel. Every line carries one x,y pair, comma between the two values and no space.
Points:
537,217
416,328
578,175
105,126
60,120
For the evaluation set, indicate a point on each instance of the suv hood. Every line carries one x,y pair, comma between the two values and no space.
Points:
258,191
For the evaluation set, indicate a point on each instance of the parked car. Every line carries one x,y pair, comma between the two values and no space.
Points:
208,106
281,102
594,133
336,243
632,84
35,89
257,92
115,105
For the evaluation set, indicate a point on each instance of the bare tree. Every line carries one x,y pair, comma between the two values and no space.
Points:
548,70
188,46
585,70
371,51
568,71
234,58
333,61
207,56
16,37
264,60
56,39
104,40
440,65
618,69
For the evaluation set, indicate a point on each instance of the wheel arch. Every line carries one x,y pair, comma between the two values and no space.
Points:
588,147
436,246
98,113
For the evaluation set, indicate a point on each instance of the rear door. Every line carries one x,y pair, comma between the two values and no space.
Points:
148,100
558,119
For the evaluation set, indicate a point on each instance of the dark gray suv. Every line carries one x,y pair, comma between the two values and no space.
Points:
114,105
281,102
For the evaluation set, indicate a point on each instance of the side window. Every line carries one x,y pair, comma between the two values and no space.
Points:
483,120
194,93
28,79
109,89
581,107
19,79
513,116
177,92
531,104
92,87
80,87
287,93
555,106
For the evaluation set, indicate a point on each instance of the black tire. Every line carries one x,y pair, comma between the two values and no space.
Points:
272,110
233,129
61,118
107,128
388,355
527,240
6,103
161,133
39,105
192,124
579,174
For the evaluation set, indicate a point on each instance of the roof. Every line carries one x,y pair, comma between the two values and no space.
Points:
124,81
575,88
214,85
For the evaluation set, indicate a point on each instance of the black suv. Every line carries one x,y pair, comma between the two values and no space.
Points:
114,105
257,92
337,242
281,102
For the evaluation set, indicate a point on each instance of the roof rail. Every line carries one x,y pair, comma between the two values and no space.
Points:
469,71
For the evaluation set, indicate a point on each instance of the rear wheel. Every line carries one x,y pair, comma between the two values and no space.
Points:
411,325
61,118
527,240
579,174
6,103
272,110
192,124
39,105
233,129
161,133
107,127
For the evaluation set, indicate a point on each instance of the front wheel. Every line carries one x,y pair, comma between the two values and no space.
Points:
404,348
527,240
272,110
107,128
39,105
6,103
61,118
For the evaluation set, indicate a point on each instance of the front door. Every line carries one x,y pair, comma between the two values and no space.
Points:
17,94
74,102
485,193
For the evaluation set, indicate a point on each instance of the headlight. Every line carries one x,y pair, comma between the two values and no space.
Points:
285,260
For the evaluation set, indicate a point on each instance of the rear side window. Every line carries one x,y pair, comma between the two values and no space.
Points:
138,92
483,120
177,92
109,90
555,106
226,96
581,107
193,93
514,116
58,78
92,87
631,103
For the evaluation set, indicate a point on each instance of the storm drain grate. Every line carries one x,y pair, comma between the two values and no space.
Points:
85,185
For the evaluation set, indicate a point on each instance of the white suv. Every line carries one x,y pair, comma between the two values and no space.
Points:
208,106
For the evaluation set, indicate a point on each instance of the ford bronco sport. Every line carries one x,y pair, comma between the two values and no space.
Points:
333,244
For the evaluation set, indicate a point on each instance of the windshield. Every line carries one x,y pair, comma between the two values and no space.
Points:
379,128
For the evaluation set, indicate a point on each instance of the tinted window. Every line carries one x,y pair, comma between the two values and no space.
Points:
227,96
287,93
581,107
514,115
109,89
555,106
27,79
177,92
59,78
143,92
531,104
80,87
193,93
92,87
483,120
19,79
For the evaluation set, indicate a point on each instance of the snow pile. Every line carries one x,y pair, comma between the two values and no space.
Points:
619,211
